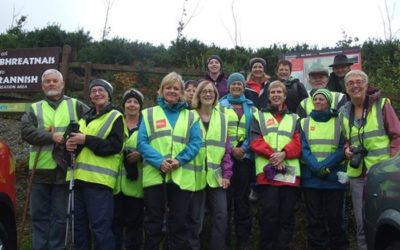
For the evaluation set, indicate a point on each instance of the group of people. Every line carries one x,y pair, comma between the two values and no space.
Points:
199,151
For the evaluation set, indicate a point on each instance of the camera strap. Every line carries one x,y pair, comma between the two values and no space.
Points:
363,121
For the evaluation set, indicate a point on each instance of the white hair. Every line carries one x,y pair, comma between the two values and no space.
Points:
52,71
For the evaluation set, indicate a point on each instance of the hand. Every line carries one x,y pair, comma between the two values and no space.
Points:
238,153
277,158
71,146
281,166
58,137
165,166
323,172
77,138
225,183
348,153
133,157
174,163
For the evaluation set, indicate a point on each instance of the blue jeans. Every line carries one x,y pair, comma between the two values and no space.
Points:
94,208
48,212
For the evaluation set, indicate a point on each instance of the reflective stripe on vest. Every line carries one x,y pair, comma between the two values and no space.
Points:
47,118
322,137
90,167
277,135
375,139
308,104
131,188
212,151
169,142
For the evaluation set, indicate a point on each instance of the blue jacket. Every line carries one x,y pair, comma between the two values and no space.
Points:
246,144
151,155
310,166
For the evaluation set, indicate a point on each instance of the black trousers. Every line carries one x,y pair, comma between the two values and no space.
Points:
238,201
156,200
276,216
128,222
325,218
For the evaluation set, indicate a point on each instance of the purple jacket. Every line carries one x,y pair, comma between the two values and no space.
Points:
227,163
221,84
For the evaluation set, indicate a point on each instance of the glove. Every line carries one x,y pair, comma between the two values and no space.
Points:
132,172
269,171
323,172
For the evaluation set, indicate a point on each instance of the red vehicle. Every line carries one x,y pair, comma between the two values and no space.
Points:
8,232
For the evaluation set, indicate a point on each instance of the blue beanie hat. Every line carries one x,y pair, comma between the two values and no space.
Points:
236,77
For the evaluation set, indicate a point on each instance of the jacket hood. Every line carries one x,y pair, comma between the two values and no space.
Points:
175,108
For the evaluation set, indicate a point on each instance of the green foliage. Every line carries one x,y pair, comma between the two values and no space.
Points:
380,59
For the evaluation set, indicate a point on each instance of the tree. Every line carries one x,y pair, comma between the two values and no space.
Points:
106,28
387,19
185,19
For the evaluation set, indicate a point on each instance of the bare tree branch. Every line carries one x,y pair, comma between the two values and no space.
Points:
106,29
183,23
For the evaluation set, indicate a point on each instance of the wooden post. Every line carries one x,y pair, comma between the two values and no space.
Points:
64,67
88,75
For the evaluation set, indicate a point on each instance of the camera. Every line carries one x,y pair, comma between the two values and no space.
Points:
73,127
359,152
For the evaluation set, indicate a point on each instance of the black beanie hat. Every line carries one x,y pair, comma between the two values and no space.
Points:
135,94
216,57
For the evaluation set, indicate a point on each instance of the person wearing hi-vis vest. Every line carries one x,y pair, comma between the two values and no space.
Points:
214,177
319,80
97,147
275,140
243,162
169,138
128,194
323,155
372,130
43,127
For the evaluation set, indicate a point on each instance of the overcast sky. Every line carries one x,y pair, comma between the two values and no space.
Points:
260,22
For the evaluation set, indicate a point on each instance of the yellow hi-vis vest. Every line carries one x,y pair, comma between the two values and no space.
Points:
169,142
58,120
277,135
322,137
93,168
131,188
308,105
212,151
376,141
236,127
233,123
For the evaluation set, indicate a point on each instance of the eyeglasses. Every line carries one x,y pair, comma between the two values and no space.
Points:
358,82
207,92
99,90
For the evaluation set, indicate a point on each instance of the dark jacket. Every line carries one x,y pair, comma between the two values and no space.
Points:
221,84
296,93
34,136
336,84
260,99
311,166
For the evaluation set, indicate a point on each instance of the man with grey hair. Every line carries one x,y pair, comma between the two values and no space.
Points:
319,80
43,127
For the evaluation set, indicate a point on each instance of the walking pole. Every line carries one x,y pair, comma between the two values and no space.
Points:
71,205
26,205
73,127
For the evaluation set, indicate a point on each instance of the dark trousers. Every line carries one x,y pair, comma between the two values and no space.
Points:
325,218
156,199
238,201
94,208
276,208
48,210
195,219
128,222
